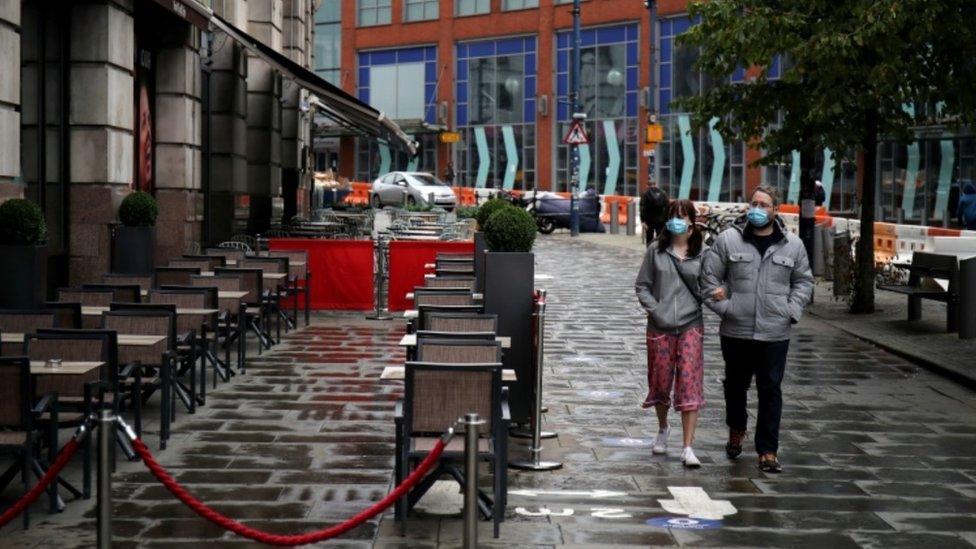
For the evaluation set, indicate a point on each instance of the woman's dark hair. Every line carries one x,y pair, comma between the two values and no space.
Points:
682,208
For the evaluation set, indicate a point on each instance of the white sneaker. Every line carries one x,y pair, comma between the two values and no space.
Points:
689,458
660,445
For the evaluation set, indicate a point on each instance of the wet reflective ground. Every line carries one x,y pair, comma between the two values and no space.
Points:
876,452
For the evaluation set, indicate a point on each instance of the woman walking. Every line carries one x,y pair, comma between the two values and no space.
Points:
667,287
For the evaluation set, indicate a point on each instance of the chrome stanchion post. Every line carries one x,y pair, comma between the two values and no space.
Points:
471,422
106,432
382,246
534,463
539,409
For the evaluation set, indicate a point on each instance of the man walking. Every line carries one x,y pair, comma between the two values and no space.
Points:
757,278
653,212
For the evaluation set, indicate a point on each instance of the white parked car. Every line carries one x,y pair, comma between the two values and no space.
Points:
390,189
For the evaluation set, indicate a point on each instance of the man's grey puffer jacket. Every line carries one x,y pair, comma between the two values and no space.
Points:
765,295
670,304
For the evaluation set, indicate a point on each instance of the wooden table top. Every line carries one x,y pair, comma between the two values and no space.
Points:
410,340
267,276
128,340
96,311
221,294
476,296
38,367
399,373
134,340
11,337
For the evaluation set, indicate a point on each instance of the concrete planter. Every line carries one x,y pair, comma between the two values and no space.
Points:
23,278
509,288
132,250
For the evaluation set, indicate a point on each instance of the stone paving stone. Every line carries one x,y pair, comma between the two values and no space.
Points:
877,452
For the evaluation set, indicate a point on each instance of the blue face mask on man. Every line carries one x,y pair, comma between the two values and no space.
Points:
758,217
677,226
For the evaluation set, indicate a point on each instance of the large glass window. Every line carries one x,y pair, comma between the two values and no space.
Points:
930,172
406,80
519,4
471,7
687,158
373,12
419,10
608,93
496,91
328,41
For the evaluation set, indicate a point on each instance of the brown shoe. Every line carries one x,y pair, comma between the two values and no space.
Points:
769,464
734,447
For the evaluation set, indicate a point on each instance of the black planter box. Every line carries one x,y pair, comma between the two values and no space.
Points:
132,250
23,278
480,247
509,289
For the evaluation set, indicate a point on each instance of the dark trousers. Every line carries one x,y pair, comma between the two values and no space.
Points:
767,361
653,231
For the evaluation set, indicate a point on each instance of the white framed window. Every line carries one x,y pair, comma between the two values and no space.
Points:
420,10
471,7
509,5
374,12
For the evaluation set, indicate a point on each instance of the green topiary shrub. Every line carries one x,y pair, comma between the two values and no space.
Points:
139,209
510,230
488,208
466,212
22,223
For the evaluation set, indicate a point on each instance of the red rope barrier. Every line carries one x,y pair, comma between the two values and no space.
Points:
29,498
206,512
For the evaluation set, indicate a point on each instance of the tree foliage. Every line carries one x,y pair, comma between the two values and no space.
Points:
844,60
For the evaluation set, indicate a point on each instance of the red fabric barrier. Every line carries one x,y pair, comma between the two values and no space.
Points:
342,271
407,260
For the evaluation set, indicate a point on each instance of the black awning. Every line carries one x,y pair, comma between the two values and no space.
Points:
338,105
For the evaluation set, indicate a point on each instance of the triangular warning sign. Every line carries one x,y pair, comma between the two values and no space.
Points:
576,134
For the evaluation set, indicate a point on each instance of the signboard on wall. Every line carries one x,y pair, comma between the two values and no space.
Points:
188,10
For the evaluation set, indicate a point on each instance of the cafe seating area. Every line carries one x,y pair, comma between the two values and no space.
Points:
138,343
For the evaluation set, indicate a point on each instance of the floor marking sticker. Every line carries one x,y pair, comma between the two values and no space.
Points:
683,523
696,503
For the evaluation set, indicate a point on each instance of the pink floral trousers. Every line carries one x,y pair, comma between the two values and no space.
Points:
676,361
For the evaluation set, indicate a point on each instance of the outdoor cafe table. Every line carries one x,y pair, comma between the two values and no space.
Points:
398,373
69,368
414,236
97,311
222,294
475,296
410,340
274,278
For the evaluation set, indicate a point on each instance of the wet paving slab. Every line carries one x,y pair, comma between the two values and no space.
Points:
877,452
874,448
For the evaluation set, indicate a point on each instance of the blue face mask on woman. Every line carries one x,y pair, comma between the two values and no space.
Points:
758,217
676,225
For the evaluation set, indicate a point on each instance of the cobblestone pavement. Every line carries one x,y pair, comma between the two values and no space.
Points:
877,452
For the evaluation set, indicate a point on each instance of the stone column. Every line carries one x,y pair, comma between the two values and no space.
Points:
10,100
295,123
228,105
178,145
263,116
101,129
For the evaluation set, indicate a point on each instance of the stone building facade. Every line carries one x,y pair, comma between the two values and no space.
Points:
146,94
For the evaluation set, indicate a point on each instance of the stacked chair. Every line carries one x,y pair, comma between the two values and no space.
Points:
455,368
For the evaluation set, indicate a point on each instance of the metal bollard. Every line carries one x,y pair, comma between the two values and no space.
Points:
631,218
430,200
614,218
899,216
106,432
945,219
405,195
471,423
534,462
967,298
379,278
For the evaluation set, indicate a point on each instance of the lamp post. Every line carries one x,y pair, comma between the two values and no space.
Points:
574,76
652,99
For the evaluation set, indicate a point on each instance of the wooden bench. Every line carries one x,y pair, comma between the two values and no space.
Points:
925,269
